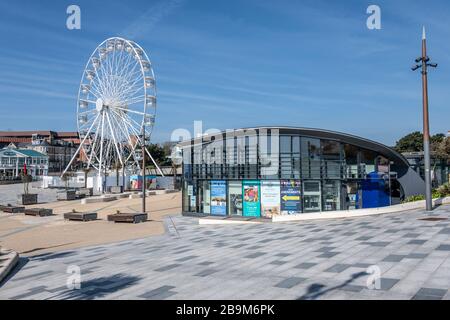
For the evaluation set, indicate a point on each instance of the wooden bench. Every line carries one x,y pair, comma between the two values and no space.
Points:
80,216
12,209
128,217
38,212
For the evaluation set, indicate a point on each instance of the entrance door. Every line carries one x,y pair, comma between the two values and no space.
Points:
311,196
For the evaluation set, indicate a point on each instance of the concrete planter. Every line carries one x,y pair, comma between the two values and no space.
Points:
39,212
66,195
87,192
116,189
12,209
128,217
80,216
27,199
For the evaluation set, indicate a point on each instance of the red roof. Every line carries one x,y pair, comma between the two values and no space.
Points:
61,134
14,139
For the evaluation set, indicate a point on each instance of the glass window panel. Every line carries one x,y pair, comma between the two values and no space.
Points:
351,161
295,144
368,160
311,196
331,154
331,192
382,164
285,144
310,161
205,193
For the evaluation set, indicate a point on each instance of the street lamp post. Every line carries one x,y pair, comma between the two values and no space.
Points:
143,168
424,62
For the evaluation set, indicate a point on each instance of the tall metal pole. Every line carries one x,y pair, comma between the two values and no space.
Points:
143,168
424,64
426,126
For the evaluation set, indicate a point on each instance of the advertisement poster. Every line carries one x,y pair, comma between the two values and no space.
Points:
235,197
136,182
290,197
270,198
218,197
251,198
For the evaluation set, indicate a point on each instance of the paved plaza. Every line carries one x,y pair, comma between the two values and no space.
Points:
29,235
309,260
9,192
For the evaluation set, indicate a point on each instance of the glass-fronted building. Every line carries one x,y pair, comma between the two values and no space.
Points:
267,171
13,161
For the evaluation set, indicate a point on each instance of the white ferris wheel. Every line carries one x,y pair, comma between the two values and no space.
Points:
116,105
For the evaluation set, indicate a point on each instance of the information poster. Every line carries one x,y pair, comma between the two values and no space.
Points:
270,198
218,197
251,198
193,201
136,182
290,197
235,198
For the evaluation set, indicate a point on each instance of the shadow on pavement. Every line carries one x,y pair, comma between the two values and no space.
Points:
49,256
316,289
100,287
22,262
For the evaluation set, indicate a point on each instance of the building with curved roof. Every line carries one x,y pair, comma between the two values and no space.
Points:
267,171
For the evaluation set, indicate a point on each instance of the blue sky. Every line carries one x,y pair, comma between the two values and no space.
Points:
235,64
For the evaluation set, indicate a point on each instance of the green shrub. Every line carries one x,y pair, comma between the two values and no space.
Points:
441,192
417,197
444,190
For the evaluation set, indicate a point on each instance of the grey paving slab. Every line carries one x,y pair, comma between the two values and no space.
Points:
206,272
290,282
430,294
328,254
168,267
352,288
394,258
338,268
386,283
305,265
158,293
417,256
417,241
255,255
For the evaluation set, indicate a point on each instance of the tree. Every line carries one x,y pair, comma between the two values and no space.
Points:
413,142
442,150
158,153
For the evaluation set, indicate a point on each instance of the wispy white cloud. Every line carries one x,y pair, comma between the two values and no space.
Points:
143,25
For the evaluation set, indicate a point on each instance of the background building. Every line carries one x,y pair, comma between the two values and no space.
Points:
58,146
12,161
440,168
267,171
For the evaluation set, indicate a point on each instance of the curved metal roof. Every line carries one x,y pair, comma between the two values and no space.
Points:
324,134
